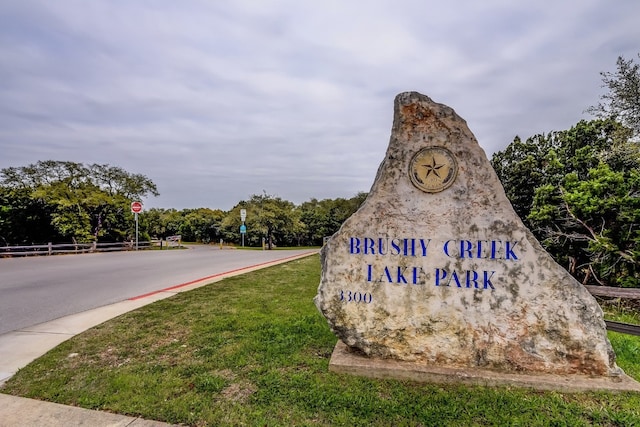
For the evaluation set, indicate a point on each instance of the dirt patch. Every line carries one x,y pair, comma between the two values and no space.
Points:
238,392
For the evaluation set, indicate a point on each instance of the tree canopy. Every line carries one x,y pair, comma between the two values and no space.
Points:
621,102
579,192
62,201
269,217
54,201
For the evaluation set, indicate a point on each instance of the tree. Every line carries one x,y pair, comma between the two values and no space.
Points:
622,101
161,223
201,225
269,217
75,202
520,168
605,209
115,181
24,220
578,190
323,218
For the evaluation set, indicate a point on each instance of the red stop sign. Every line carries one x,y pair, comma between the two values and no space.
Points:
136,207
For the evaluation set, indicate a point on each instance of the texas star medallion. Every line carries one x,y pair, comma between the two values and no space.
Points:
433,169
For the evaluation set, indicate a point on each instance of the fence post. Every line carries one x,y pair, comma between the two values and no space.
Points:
50,249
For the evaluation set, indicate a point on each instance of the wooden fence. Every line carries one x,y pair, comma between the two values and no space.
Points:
623,293
69,248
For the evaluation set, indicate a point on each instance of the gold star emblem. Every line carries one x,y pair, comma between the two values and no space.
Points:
433,169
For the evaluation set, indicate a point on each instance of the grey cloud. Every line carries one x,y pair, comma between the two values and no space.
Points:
217,101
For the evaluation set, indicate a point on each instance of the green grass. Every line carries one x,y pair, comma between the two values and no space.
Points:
253,350
627,347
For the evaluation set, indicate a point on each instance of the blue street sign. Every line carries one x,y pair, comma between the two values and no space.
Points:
243,229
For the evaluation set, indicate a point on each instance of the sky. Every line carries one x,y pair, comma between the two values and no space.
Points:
215,101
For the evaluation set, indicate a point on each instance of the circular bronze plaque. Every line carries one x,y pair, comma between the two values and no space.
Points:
433,169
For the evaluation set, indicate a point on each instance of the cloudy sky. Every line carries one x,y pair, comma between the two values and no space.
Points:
218,100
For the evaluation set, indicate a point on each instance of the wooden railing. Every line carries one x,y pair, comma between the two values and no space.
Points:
624,328
611,292
624,293
69,248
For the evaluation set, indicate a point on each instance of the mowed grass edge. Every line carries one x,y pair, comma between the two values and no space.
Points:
253,350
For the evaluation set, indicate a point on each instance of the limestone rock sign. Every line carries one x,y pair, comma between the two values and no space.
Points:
436,267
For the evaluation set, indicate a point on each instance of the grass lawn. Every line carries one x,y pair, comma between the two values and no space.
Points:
253,350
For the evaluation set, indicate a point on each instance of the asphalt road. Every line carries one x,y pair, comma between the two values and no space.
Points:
34,290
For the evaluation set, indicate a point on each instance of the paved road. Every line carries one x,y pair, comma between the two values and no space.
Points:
34,290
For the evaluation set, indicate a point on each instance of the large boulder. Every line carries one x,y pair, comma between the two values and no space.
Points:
436,267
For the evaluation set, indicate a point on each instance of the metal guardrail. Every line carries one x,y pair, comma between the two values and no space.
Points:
69,248
625,328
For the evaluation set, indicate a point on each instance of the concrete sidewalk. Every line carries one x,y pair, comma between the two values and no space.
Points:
19,412
21,347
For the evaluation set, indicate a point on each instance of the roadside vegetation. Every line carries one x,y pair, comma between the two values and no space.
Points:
578,190
253,350
68,202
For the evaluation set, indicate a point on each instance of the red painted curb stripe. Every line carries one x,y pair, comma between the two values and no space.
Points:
182,285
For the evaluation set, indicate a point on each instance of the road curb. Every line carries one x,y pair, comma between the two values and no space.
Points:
21,347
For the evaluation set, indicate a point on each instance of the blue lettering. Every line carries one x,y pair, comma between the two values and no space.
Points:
454,276
494,248
465,247
354,245
401,278
381,246
446,248
395,247
388,274
424,246
368,246
487,280
406,247
471,279
509,251
415,274
440,277
480,253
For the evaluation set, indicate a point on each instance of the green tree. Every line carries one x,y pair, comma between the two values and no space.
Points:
161,223
578,192
323,218
622,99
24,220
269,217
520,168
605,208
201,225
78,203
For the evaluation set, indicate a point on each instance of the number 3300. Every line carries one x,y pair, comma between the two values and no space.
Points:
349,296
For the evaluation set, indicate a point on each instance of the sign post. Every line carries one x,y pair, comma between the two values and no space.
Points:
243,228
136,208
243,231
